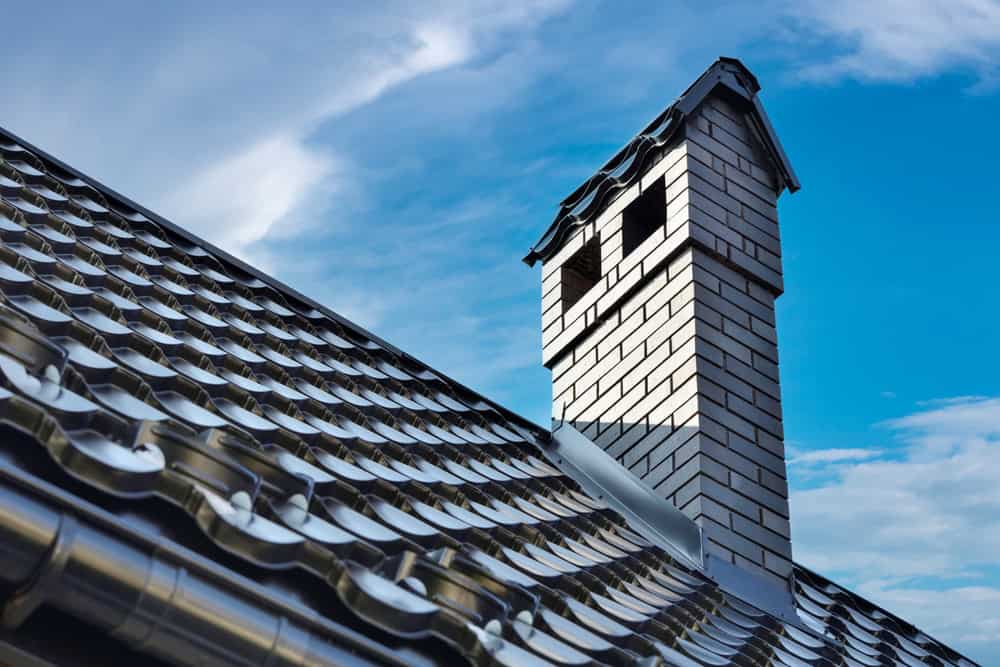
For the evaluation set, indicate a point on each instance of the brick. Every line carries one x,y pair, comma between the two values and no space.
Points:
712,429
742,149
660,169
729,419
595,371
618,333
748,182
658,409
761,222
553,264
726,343
715,193
712,264
768,259
776,523
754,415
748,304
761,271
729,458
765,205
626,440
729,498
705,506
732,541
617,206
713,147
762,536
676,237
686,493
765,366
767,404
759,494
774,482
729,382
754,378
717,117
722,307
677,477
778,565
719,551
657,371
559,343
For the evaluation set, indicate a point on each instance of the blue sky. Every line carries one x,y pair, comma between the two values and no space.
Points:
396,163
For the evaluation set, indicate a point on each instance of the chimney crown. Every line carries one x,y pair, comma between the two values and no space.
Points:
726,76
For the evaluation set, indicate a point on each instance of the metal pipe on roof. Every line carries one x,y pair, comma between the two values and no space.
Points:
145,599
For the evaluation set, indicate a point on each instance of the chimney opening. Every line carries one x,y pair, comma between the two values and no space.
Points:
580,272
643,216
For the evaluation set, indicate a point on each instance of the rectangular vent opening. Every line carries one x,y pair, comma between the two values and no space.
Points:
580,272
644,216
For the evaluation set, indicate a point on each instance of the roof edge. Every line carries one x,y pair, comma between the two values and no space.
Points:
80,528
631,161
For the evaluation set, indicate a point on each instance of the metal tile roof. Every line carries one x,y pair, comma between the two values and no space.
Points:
206,466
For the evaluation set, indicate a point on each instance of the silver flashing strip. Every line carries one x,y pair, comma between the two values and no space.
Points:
657,520
605,479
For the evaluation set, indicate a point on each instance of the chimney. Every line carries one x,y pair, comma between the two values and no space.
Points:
659,278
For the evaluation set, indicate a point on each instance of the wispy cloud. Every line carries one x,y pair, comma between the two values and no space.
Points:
280,172
901,40
225,108
924,519
241,199
821,456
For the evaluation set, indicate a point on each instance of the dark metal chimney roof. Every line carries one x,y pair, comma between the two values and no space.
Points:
629,163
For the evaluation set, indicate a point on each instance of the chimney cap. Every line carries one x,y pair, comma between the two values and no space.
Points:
629,163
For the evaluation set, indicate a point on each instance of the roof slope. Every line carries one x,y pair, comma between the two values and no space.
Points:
192,450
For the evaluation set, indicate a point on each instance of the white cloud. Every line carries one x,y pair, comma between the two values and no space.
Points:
224,107
902,40
952,400
251,194
922,518
240,199
820,456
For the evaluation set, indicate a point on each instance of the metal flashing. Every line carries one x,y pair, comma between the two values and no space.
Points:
605,479
659,521
764,594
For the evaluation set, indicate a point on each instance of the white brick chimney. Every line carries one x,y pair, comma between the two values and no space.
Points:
658,286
